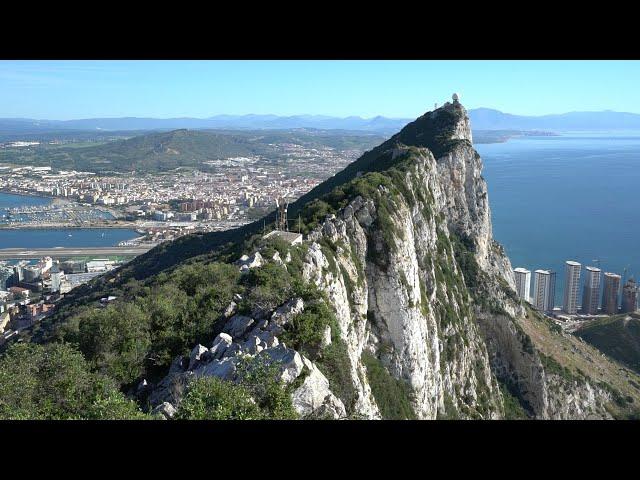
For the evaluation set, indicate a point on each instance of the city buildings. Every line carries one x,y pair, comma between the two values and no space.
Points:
544,290
610,293
5,274
571,286
56,278
233,189
630,296
523,282
591,291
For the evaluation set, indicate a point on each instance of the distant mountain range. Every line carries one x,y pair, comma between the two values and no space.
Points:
488,119
242,122
481,119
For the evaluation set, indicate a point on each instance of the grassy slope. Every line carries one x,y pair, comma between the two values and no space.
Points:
618,337
581,358
161,151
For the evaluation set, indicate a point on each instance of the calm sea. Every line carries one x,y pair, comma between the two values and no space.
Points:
573,197
57,237
8,200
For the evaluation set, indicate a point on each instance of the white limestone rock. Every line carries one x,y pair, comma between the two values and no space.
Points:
254,261
326,337
238,325
314,399
286,312
224,369
231,309
196,355
165,410
288,360
220,345
276,258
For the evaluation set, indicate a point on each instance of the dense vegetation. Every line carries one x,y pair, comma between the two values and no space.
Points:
55,382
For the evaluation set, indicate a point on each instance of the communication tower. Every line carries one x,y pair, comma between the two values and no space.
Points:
281,214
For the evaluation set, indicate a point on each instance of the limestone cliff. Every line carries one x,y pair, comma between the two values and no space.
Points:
428,324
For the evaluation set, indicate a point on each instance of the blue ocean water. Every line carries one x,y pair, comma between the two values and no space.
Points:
64,237
571,197
9,200
56,237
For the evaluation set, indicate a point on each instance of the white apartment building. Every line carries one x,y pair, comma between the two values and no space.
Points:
523,282
544,290
591,291
571,287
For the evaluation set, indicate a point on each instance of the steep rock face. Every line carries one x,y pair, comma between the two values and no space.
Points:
424,327
422,294
387,298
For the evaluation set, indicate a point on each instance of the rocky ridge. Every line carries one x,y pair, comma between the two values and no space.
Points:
427,321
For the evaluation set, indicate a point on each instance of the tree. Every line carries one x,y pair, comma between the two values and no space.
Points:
54,381
116,340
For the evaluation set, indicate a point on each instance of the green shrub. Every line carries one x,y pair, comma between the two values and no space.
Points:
262,380
267,287
116,340
333,361
513,409
258,394
305,331
210,398
392,396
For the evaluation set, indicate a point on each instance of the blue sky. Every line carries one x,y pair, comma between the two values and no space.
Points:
85,89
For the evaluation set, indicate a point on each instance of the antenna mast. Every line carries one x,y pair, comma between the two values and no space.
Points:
281,215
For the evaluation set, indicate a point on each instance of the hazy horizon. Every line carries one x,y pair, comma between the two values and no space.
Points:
316,115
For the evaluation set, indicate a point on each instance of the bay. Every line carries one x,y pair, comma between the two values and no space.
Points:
64,237
570,197
10,200
55,237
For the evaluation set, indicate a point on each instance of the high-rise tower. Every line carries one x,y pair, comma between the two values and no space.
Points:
544,290
523,282
610,293
591,291
571,286
630,296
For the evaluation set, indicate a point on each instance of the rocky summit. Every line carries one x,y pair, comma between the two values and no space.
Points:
423,301
397,304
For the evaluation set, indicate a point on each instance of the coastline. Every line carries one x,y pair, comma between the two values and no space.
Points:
27,194
52,201
27,226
